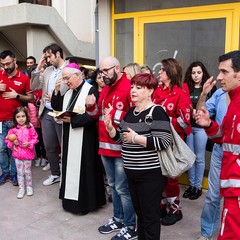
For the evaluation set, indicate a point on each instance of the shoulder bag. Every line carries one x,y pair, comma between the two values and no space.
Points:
177,157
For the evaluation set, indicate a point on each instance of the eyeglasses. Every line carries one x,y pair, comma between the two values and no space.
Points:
67,78
6,64
105,70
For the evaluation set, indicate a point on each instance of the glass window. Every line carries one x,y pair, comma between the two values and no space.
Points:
44,2
124,6
26,1
187,41
124,41
40,2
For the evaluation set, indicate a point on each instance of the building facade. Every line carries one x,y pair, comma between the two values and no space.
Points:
27,26
148,31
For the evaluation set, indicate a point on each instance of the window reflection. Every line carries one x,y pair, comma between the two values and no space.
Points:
187,41
40,2
123,6
124,40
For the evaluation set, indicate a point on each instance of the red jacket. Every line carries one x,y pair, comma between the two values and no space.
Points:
118,95
33,115
228,134
177,104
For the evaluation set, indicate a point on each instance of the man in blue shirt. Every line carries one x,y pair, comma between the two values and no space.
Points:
217,106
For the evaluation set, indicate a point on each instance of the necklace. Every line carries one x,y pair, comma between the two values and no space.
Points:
73,101
135,113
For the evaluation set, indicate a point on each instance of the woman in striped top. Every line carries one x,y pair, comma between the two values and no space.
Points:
142,136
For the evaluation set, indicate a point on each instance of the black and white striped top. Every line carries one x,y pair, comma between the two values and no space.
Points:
158,133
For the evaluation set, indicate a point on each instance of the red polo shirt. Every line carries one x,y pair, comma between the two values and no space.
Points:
21,84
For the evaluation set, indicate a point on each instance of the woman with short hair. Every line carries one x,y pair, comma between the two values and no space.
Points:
142,136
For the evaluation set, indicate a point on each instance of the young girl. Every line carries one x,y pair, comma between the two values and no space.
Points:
21,138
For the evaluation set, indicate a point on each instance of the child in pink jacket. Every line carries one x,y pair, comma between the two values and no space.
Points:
21,138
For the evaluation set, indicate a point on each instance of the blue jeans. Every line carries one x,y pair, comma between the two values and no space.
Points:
197,142
122,203
211,210
6,158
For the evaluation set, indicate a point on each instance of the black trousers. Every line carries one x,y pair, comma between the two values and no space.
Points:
146,188
39,147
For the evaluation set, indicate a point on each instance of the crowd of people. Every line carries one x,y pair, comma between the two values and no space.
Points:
85,126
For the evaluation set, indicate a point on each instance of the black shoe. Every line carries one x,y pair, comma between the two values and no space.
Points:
13,180
3,178
172,218
163,213
188,193
196,194
83,213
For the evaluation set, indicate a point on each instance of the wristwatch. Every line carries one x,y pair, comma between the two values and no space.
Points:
18,97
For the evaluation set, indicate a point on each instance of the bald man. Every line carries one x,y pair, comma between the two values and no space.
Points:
114,98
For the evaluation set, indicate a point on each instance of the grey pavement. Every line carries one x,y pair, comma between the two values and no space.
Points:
41,216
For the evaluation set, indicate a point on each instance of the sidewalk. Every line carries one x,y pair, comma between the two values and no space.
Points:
41,216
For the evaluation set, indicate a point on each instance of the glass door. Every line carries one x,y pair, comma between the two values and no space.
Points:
187,37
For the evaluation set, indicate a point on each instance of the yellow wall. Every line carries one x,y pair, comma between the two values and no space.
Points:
231,12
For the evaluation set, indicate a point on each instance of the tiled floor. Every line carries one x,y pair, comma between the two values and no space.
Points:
41,216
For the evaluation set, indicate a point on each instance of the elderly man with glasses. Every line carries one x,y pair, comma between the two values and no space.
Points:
82,187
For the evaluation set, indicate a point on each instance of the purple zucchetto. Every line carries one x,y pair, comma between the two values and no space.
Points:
72,65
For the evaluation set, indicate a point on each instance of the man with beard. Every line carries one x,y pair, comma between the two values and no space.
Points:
14,90
29,63
114,99
51,130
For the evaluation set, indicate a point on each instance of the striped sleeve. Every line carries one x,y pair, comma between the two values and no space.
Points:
161,135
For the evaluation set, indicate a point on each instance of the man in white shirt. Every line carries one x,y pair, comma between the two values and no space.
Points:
51,130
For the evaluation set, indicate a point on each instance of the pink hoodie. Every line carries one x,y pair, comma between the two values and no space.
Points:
23,134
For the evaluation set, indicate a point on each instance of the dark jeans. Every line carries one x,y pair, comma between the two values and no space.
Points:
146,188
52,133
7,162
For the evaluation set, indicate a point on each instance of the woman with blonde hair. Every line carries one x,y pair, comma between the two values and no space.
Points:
131,70
146,69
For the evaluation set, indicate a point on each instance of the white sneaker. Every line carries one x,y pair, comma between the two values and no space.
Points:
51,180
29,191
43,162
37,162
47,167
21,193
